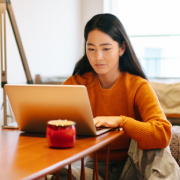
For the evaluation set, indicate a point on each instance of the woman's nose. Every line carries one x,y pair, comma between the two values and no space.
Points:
99,55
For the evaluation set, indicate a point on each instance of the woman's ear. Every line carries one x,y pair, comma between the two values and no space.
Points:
122,49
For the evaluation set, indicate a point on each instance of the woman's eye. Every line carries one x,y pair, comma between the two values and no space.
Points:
90,49
106,49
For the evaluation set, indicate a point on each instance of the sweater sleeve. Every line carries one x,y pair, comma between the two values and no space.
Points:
155,130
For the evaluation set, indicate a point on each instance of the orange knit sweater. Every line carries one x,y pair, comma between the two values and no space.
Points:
132,97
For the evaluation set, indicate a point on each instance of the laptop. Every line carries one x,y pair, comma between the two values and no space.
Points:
34,105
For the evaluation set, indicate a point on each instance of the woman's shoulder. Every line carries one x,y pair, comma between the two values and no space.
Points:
136,85
134,81
84,79
134,78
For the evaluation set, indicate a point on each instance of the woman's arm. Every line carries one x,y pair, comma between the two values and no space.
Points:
154,131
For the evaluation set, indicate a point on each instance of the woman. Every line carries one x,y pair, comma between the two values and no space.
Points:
119,92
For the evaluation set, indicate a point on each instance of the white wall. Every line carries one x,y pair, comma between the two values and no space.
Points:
49,31
89,8
52,35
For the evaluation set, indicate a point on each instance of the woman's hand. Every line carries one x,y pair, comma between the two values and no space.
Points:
107,121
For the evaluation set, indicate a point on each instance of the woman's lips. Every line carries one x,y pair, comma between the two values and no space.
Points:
99,65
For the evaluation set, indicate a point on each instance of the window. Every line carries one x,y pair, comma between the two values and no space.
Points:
154,30
152,62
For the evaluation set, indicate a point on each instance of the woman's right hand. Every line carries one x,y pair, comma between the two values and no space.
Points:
107,121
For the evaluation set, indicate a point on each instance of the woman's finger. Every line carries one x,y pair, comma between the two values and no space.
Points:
102,123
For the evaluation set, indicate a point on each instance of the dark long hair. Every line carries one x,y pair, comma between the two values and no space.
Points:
112,26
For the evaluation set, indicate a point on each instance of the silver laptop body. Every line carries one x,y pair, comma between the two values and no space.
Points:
34,105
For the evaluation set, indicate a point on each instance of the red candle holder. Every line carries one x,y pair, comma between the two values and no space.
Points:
61,133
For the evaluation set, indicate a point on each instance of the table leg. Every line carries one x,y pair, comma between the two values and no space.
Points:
107,162
57,175
95,169
82,170
69,172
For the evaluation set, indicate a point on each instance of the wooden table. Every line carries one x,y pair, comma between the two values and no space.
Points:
27,155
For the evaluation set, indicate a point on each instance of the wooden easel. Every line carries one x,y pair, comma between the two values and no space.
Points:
6,5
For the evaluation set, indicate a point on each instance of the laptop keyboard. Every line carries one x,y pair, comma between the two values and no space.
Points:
100,128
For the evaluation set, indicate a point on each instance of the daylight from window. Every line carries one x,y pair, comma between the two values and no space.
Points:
154,30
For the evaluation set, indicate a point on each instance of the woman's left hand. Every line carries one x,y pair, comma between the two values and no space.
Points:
107,121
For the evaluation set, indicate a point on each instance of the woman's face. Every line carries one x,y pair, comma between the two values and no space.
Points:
103,53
